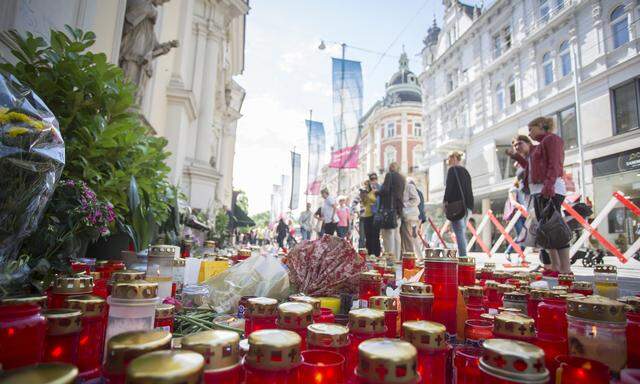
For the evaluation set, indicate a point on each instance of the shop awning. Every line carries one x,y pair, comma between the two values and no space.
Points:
241,219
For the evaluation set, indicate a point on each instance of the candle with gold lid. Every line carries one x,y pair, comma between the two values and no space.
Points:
582,287
22,334
36,299
261,313
295,316
566,279
389,305
501,276
633,330
516,300
91,344
491,299
273,357
510,361
430,339
334,338
507,325
126,275
416,301
370,284
408,260
221,353
466,270
387,361
160,267
132,307
597,330
315,303
473,296
364,324
166,367
441,272
164,317
46,373
64,287
63,335
606,280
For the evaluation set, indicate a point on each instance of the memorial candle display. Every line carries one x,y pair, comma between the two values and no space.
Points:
606,280
566,280
315,303
171,367
465,362
22,334
63,335
552,314
514,326
91,343
364,324
515,300
486,273
64,287
124,277
510,361
416,302
370,284
221,352
330,337
408,260
164,317
466,271
47,373
321,367
160,267
273,357
99,285
387,361
261,313
295,316
582,287
501,276
502,289
573,370
388,305
441,272
132,307
123,348
430,339
476,331
491,298
534,299
633,331
597,330
473,299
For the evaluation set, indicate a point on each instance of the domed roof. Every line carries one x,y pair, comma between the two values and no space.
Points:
403,85
404,75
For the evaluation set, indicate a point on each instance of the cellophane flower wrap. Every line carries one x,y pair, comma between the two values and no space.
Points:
31,161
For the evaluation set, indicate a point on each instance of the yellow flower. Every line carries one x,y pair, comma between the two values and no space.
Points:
17,131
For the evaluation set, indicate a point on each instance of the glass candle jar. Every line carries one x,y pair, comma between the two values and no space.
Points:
461,313
195,295
22,335
515,300
476,331
486,273
491,299
124,347
510,361
326,316
364,324
132,307
466,271
99,285
63,335
565,280
48,373
295,316
502,289
534,299
466,361
408,260
273,357
185,250
430,339
35,299
501,276
370,284
321,367
330,337
160,268
597,330
388,281
176,366
552,315
582,287
261,313
473,299
164,317
389,306
315,303
633,331
66,286
221,353
441,272
514,326
124,276
553,346
573,369
91,343
606,280
178,275
416,302
387,361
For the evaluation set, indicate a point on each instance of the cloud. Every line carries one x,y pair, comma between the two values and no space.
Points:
317,87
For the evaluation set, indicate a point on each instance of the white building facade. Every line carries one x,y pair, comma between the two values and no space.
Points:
486,75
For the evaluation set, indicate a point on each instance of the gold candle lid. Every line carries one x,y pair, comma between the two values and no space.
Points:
597,308
96,275
383,303
315,303
220,349
91,306
274,349
489,264
164,311
389,277
512,310
166,367
440,255
73,285
295,315
539,293
632,301
327,335
244,252
513,324
525,287
179,262
491,284
262,307
171,251
45,373
126,346
566,277
425,335
416,289
467,261
605,268
209,244
63,321
474,291
517,361
387,361
515,296
135,290
408,255
365,320
389,270
487,316
504,288
40,300
371,275
126,275
581,285
501,275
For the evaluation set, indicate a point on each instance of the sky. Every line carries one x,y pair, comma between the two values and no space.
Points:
286,75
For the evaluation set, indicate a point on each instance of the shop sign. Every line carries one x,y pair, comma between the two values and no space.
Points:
619,162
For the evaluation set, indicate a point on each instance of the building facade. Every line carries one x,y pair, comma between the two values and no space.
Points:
191,97
486,75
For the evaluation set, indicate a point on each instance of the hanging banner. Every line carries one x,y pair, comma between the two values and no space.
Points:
347,101
295,181
316,138
345,158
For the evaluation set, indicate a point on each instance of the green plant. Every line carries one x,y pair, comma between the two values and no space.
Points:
261,219
221,228
106,141
139,225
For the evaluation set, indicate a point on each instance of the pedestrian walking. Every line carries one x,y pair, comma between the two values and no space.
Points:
391,195
369,202
410,217
328,213
458,199
344,217
282,231
515,199
306,223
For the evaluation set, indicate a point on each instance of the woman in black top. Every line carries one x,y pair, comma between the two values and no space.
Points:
458,188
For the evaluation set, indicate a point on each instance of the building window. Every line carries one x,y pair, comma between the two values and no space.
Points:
511,86
547,68
507,168
544,10
390,130
449,82
497,46
559,5
417,129
625,107
619,26
568,127
506,32
389,156
500,97
418,154
565,59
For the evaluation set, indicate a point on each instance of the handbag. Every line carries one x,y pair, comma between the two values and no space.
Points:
527,236
553,232
456,210
386,218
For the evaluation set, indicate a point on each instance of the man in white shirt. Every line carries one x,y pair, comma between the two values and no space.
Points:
328,213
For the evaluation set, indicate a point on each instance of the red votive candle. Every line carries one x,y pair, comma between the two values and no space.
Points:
512,362
552,315
441,272
388,305
22,335
565,280
473,297
63,335
430,339
582,287
164,317
416,302
221,353
387,361
486,273
633,331
502,289
476,331
99,285
78,266
321,367
273,357
553,346
330,337
514,326
364,324
501,276
91,343
466,271
534,299
261,313
408,260
573,370
315,303
370,284
296,316
66,286
326,316
491,298
465,361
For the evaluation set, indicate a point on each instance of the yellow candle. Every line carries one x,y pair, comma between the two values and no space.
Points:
607,289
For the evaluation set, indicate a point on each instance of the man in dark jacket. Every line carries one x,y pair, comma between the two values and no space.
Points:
391,194
458,188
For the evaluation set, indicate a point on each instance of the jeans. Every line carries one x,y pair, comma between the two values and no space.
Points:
342,232
518,227
329,228
306,235
459,228
372,236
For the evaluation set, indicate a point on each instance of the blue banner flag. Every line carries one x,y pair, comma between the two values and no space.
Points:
316,138
347,101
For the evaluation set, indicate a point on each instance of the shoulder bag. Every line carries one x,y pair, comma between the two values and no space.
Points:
456,210
387,218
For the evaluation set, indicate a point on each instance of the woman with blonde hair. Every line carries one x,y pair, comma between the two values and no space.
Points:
458,199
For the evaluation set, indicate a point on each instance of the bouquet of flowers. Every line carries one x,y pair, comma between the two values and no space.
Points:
31,161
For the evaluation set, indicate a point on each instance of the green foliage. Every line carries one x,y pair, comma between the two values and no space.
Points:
221,228
242,201
106,141
139,224
261,219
